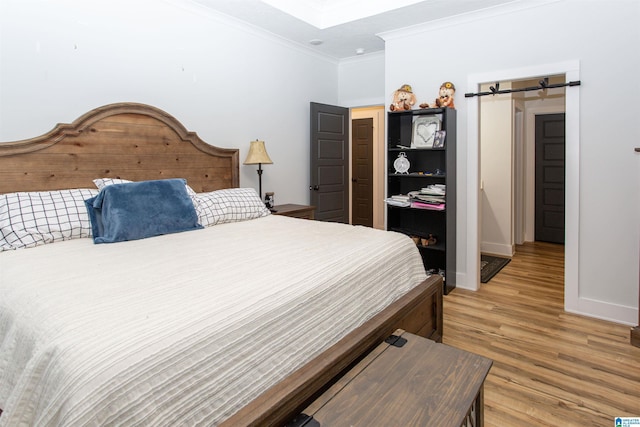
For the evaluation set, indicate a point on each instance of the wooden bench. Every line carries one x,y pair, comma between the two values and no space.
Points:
420,383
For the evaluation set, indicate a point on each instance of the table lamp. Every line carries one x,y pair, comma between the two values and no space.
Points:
257,156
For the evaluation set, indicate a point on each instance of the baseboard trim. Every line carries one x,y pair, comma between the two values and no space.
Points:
605,311
497,249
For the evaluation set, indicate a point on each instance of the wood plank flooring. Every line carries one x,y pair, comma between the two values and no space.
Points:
551,368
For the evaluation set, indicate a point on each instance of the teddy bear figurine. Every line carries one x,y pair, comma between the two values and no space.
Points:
403,99
445,98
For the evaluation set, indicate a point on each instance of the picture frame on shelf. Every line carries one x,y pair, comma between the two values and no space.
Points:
438,140
424,131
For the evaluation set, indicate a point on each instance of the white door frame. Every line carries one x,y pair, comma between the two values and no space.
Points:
571,69
518,213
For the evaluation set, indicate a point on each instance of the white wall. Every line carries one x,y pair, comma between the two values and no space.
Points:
602,37
227,82
496,132
361,81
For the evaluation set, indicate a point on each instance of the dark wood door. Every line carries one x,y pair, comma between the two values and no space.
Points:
550,181
330,162
362,172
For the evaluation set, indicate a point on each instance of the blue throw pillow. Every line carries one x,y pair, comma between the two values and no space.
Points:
142,209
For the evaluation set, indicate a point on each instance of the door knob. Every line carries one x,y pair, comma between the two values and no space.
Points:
314,188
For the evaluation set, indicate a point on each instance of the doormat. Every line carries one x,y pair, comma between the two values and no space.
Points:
490,266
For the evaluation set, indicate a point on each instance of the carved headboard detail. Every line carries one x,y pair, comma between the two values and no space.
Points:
124,140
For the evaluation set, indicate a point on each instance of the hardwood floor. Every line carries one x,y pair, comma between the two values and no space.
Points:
551,368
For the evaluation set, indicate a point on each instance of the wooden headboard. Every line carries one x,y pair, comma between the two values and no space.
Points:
124,140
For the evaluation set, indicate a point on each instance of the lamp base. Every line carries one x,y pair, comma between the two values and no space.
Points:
259,180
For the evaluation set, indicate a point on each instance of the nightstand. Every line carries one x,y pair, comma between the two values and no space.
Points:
295,211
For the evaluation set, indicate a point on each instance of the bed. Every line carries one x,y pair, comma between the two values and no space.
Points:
241,321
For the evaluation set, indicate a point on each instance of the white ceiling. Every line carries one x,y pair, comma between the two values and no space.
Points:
343,26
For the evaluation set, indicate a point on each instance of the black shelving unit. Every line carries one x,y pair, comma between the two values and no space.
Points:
427,166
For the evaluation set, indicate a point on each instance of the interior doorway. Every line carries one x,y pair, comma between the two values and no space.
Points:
521,166
329,162
362,172
331,169
571,71
377,115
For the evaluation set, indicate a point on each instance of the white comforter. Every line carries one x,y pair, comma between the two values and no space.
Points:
184,329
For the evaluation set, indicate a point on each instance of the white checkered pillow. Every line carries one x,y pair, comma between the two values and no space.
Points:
242,204
229,205
37,218
209,208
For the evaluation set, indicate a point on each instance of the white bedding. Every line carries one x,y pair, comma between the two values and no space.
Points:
187,328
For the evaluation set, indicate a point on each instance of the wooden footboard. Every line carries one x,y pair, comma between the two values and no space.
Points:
418,312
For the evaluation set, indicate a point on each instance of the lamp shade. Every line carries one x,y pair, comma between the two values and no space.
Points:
257,154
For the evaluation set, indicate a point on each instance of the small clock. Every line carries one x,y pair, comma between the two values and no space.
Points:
401,164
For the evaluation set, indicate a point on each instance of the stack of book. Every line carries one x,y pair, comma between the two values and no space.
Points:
431,197
399,200
434,189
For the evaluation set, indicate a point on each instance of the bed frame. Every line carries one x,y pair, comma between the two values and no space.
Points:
139,142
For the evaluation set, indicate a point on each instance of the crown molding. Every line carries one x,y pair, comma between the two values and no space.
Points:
439,24
360,58
201,10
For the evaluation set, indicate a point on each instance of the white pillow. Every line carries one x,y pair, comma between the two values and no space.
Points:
229,205
103,182
36,218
